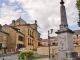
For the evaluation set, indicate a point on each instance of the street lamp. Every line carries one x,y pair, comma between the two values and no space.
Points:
49,40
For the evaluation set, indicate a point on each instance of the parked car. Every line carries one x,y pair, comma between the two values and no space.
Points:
21,49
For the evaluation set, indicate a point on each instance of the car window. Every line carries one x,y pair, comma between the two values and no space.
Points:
22,48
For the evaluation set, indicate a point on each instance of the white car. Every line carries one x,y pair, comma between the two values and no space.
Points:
21,49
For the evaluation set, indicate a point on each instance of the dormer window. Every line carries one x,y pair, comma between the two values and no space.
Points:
18,29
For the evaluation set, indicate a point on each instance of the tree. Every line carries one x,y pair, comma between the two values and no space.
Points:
78,7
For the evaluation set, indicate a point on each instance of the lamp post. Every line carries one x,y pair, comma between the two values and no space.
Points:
49,40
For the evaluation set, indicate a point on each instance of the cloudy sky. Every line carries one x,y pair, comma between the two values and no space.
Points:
46,12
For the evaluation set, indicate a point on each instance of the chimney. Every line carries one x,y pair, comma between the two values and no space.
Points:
0,26
13,22
35,21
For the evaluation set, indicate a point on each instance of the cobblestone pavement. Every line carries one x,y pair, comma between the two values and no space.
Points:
10,57
46,59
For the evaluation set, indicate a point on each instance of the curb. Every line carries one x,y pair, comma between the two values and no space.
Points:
2,55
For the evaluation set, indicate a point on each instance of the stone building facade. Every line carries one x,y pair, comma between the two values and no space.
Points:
21,34
3,41
53,41
76,37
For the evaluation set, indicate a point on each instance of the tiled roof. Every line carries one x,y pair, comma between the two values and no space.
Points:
20,21
16,29
77,31
4,32
44,40
55,37
0,26
51,39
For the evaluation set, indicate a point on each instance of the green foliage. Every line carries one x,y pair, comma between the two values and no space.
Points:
26,53
34,58
78,7
78,23
78,3
4,47
30,53
23,53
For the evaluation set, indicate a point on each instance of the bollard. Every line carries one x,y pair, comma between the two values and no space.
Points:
18,56
3,58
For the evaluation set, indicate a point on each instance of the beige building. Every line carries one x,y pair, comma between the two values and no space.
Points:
53,41
3,41
15,38
21,34
76,37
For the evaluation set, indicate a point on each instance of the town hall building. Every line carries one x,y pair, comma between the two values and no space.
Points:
19,34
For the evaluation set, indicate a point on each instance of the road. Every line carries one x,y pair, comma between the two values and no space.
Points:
10,57
13,56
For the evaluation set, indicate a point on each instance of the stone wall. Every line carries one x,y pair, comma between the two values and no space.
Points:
44,50
77,49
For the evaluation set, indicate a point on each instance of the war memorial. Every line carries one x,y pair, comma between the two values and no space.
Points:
65,39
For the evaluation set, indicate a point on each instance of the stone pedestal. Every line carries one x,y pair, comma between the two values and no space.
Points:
66,58
71,59
66,54
71,54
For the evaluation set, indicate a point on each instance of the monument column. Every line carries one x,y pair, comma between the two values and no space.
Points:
65,38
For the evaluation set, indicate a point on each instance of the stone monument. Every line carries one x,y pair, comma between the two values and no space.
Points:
65,38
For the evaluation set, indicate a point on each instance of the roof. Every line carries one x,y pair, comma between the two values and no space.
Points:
77,31
20,21
0,26
55,37
4,32
16,29
44,40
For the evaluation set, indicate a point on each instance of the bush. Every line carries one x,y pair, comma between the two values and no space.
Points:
23,54
29,53
26,53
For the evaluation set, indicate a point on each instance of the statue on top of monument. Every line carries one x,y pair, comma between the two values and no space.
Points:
62,2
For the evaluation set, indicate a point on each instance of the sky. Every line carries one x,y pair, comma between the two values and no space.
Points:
46,12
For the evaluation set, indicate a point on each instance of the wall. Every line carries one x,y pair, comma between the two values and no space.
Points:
11,42
44,50
3,41
77,49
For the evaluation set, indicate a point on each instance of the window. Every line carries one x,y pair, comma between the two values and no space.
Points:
28,31
28,41
20,38
0,46
32,42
